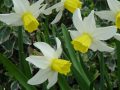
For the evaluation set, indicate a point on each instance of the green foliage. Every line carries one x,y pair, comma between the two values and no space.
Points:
90,71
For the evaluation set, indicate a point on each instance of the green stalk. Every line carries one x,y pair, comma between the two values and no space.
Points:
24,66
63,83
77,65
46,32
118,61
102,71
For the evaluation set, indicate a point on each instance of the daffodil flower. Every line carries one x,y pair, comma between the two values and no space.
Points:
25,14
70,5
50,64
88,36
113,14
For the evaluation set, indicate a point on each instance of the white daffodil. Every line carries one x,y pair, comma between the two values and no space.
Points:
50,64
25,14
70,5
88,36
113,14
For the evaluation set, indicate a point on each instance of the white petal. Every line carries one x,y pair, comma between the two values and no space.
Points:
117,36
114,5
11,19
58,52
89,22
40,11
58,17
74,34
39,61
52,80
77,21
21,5
40,77
107,15
102,46
46,49
104,33
49,10
93,47
34,8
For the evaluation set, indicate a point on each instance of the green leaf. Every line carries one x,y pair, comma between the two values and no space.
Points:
4,34
85,83
23,63
63,83
15,72
118,61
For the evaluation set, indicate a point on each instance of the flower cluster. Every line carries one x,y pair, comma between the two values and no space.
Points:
86,36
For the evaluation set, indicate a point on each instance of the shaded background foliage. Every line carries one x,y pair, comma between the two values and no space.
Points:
46,33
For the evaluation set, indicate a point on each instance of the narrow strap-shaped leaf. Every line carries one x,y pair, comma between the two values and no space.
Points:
102,71
63,83
118,61
15,72
24,66
74,61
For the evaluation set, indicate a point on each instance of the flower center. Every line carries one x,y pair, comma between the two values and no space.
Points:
118,20
30,22
82,43
61,66
72,5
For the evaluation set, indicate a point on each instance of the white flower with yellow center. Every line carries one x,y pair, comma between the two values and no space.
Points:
25,14
88,36
70,5
113,14
50,64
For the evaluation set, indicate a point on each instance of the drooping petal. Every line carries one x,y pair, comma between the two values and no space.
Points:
58,5
52,79
20,5
58,17
38,61
107,15
89,22
58,52
93,47
74,34
36,6
102,46
11,19
114,5
104,33
117,36
47,50
40,11
77,21
40,77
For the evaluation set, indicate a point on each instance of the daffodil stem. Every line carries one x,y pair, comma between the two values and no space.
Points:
46,32
102,71
118,60
63,83
76,64
24,66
